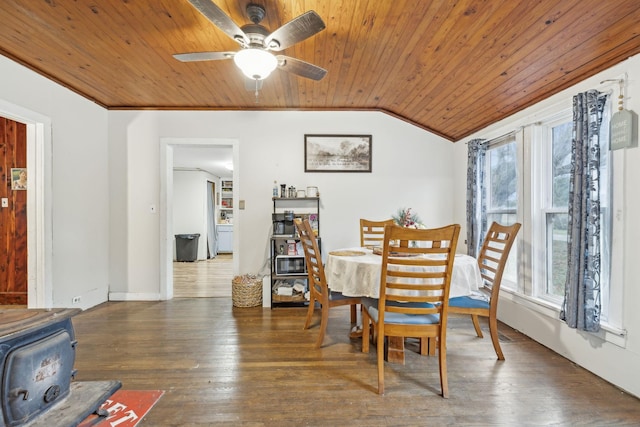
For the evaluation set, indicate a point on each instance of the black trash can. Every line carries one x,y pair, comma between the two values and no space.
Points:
187,247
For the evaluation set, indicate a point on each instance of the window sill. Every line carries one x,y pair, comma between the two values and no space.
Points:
608,333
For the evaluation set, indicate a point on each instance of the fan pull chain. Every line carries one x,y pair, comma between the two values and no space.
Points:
257,91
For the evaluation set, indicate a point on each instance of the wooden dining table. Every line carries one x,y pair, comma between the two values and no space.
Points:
356,272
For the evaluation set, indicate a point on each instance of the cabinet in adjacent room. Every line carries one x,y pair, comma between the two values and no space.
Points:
225,238
288,265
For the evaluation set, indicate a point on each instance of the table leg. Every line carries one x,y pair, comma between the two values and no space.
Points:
395,350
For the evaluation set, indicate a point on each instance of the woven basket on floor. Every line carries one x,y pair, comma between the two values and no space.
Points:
246,291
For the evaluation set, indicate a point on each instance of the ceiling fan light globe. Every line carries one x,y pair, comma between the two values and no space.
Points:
256,64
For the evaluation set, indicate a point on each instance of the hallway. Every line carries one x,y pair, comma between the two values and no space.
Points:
203,279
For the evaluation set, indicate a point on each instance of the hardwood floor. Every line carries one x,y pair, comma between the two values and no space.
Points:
222,365
203,279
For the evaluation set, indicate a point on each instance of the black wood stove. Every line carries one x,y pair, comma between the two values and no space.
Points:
37,354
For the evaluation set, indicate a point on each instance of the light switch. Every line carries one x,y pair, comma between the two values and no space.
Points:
5,202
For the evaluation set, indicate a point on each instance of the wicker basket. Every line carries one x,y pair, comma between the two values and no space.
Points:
246,291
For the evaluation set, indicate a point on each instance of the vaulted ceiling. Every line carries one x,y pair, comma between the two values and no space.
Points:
450,67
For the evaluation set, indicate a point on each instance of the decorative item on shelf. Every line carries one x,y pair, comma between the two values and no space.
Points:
405,218
313,221
312,192
275,189
283,190
291,247
301,193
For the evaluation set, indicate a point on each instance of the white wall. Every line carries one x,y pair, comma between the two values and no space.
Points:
77,208
614,358
411,168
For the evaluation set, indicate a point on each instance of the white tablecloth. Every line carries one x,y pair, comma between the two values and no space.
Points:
360,275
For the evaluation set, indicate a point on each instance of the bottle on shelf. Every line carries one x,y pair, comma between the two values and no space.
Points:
275,189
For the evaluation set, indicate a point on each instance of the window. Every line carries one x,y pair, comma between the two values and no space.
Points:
550,180
502,193
556,186
527,179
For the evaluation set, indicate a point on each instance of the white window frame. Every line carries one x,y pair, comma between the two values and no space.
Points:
542,203
514,138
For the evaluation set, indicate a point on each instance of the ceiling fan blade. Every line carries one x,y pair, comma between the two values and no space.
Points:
221,20
252,85
203,56
301,68
294,31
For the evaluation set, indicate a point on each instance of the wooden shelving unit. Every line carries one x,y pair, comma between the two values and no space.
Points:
288,266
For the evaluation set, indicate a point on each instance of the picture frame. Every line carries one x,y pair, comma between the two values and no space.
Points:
18,178
337,153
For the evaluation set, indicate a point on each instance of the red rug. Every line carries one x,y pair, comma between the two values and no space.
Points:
126,408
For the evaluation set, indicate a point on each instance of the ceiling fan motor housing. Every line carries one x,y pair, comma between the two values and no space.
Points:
256,34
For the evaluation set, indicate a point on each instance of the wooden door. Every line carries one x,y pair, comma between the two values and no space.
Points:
13,213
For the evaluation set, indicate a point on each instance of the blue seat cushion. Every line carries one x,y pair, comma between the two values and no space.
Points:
400,318
468,302
334,295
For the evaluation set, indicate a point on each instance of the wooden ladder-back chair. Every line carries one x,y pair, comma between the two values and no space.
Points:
414,292
492,260
318,288
372,232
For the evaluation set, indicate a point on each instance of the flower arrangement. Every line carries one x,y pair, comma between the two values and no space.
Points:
405,218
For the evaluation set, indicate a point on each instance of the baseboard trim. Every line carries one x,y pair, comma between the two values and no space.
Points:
132,296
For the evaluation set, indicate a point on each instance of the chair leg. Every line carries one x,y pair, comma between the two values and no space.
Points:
424,346
442,362
493,329
354,314
324,319
310,310
433,344
366,324
476,325
380,357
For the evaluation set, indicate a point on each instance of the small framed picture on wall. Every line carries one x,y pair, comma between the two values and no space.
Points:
18,178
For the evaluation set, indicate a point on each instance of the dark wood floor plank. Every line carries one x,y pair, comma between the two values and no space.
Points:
221,365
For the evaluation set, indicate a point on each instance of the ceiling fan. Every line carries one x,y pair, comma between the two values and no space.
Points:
255,59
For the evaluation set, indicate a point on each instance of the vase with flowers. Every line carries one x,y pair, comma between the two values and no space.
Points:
407,219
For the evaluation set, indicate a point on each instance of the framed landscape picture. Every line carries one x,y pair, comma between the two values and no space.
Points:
337,153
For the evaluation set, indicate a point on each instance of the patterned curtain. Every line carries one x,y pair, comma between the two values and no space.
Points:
581,306
476,200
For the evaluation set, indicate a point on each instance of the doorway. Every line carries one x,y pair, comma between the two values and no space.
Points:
13,212
172,148
38,204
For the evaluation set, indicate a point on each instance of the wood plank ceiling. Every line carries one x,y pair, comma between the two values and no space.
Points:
451,67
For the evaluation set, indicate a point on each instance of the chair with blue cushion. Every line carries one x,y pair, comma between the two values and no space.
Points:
414,292
319,291
492,260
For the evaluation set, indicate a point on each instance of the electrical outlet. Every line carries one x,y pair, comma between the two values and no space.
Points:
5,202
75,300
